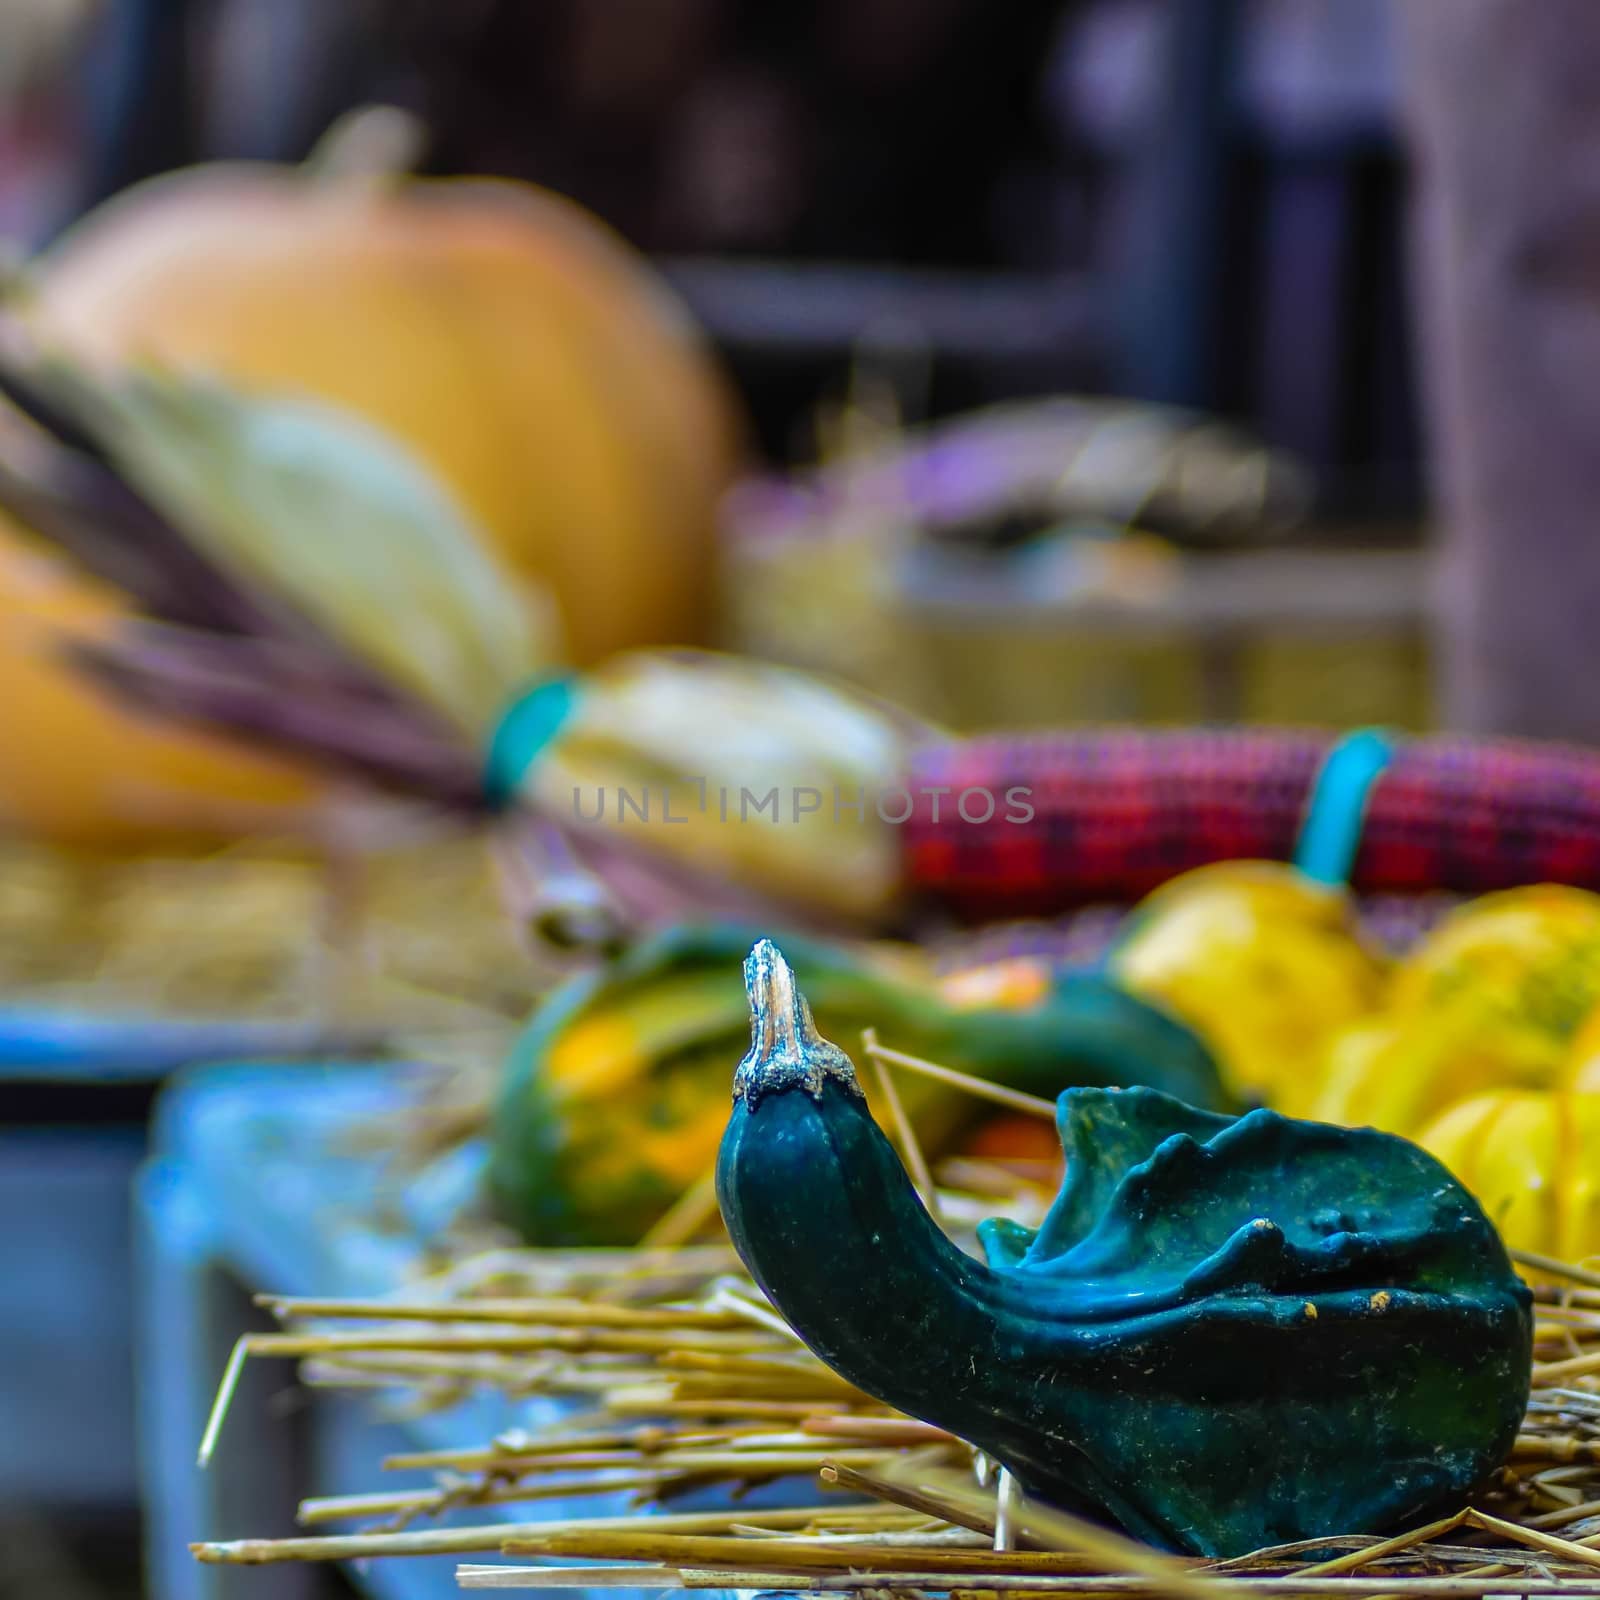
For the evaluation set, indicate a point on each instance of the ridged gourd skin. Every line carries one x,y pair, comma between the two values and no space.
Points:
590,1154
1227,1333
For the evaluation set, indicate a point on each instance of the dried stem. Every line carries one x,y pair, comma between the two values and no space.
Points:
464,1541
905,1134
1015,1099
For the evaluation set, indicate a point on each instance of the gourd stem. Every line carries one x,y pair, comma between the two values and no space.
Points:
372,143
785,1047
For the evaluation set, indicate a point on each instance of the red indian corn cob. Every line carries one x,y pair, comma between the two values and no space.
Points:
1117,812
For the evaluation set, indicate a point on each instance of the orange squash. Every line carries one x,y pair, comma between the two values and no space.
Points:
507,337
76,769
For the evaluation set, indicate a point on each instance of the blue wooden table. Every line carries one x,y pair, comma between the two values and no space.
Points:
245,1192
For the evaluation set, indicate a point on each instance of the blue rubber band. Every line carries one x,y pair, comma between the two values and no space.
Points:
1330,836
525,728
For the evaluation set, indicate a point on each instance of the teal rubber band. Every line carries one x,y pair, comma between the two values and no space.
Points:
525,728
1330,836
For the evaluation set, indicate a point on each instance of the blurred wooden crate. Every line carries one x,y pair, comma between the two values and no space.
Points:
1312,635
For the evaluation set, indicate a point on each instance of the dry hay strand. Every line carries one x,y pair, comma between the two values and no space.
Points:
254,930
679,1377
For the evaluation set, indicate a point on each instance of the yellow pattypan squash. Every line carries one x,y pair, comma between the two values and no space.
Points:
1533,1161
1262,961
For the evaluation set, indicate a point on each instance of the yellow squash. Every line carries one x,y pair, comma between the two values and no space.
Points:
1397,1072
1533,952
1491,999
1263,962
1533,1161
1583,1058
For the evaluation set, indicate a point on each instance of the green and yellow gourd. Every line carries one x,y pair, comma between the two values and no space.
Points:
1227,1333
614,1101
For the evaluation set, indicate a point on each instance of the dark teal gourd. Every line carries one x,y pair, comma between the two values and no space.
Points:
1227,1333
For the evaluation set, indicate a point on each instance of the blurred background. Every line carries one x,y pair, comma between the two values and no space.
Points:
1201,205
1194,204
1257,330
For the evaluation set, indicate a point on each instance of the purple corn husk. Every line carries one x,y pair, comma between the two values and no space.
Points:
214,650
57,481
653,889
211,647
260,688
28,400
110,534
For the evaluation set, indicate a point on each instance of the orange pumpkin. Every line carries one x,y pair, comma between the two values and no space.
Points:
508,338
77,769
